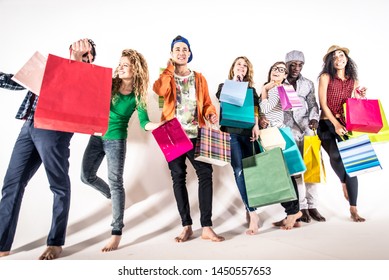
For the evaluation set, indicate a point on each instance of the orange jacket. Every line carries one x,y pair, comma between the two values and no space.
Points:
166,86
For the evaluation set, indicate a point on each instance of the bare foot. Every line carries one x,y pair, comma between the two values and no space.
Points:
185,234
354,215
51,253
345,193
208,233
290,221
113,243
4,253
253,223
283,223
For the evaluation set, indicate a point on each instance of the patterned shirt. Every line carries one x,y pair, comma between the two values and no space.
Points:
27,109
337,93
186,107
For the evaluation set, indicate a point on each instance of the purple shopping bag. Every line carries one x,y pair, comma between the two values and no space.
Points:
172,139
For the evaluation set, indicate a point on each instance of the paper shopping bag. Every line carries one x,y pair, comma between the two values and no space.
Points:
288,98
239,116
380,136
172,139
358,156
363,115
31,74
213,146
267,179
313,160
74,97
271,137
234,92
293,158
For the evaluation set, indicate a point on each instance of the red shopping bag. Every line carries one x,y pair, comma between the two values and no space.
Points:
74,97
363,115
172,139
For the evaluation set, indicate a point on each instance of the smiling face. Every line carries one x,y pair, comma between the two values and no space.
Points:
180,53
339,59
240,68
278,73
125,69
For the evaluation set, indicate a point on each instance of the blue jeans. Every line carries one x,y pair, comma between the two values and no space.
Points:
204,173
241,147
32,148
115,150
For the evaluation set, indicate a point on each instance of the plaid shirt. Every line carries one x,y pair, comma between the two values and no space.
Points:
337,93
26,111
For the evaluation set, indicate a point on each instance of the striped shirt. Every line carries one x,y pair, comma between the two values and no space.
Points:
337,93
271,108
27,109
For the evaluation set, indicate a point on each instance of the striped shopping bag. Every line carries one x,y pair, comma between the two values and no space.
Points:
289,98
213,146
358,155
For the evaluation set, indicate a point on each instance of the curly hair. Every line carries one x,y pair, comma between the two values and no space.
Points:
250,71
141,76
329,68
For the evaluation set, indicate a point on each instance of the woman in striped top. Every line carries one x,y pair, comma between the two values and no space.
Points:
272,115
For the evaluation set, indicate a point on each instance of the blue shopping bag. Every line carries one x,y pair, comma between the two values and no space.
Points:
234,92
239,116
293,157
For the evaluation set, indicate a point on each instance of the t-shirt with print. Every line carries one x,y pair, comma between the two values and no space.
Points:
186,110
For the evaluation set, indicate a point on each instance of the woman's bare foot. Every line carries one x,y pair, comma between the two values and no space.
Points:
185,234
290,221
345,193
253,223
113,243
4,253
208,233
354,215
51,253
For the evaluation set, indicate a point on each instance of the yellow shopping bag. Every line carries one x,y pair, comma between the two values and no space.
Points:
313,160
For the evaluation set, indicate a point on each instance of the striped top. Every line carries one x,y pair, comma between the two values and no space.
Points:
271,108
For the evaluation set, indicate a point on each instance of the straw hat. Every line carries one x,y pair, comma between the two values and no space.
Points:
335,48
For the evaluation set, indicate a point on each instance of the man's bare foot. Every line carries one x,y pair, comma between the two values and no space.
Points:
283,223
253,224
113,243
345,193
290,220
208,233
186,233
354,215
4,253
51,253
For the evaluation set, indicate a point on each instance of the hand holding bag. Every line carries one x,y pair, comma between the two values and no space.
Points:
267,179
313,160
74,97
172,139
213,146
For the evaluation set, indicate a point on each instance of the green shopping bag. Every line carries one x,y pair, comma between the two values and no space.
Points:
267,179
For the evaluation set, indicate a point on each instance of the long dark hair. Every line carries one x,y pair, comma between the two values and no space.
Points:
329,68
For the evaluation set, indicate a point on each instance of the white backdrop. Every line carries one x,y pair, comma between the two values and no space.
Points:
218,31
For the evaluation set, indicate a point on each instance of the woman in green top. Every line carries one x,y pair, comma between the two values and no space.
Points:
129,93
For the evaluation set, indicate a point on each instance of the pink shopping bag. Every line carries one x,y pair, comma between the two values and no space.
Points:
363,115
172,139
289,98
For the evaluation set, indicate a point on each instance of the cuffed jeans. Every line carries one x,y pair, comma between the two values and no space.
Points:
32,148
241,147
115,151
204,173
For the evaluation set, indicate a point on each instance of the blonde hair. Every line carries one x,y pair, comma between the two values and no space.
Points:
250,71
141,76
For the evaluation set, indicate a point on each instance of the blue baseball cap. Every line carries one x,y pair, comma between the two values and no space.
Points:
183,40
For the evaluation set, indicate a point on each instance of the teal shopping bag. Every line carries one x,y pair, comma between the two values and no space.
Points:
267,179
292,154
238,116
